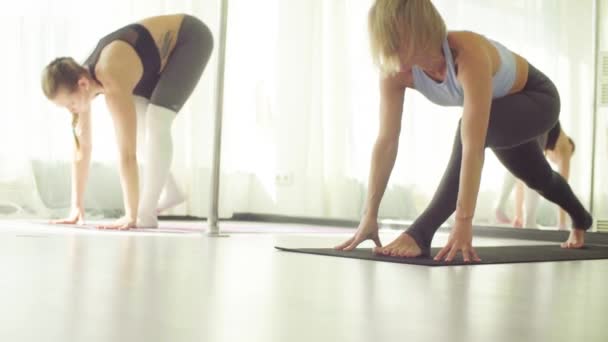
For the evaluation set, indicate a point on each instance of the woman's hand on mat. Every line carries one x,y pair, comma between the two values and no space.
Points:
121,224
461,240
76,217
367,230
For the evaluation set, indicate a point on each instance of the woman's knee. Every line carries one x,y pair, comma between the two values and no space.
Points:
539,181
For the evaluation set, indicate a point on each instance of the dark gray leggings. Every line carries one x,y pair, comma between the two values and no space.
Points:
185,65
517,121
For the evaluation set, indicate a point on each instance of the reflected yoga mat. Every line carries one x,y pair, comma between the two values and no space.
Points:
488,255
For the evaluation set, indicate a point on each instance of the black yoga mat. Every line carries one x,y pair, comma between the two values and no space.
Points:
488,255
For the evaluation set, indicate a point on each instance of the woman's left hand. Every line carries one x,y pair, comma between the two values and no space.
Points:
121,224
461,240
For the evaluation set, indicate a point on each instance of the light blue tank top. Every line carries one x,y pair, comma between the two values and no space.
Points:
450,92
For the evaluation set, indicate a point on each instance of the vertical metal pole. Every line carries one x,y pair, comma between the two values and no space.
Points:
214,229
596,50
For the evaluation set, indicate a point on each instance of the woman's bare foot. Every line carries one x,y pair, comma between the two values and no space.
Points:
404,246
576,239
518,222
501,217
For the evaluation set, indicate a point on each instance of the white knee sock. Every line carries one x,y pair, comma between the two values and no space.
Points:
171,195
157,155
141,106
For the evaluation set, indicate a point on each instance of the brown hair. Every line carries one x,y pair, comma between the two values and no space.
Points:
63,73
390,21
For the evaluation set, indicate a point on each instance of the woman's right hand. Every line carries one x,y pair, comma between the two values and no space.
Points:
76,217
367,230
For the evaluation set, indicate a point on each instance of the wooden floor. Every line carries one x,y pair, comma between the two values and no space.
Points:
66,285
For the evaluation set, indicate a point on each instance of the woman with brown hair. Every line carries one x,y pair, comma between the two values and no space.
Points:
153,65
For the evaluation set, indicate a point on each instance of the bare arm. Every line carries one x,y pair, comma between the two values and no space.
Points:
475,74
392,92
387,143
119,69
82,160
120,104
80,168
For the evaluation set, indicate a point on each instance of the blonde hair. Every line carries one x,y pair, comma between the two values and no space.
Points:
63,73
415,25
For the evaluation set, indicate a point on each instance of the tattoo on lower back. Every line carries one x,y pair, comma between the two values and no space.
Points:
165,44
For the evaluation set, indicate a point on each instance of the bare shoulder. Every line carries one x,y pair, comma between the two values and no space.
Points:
468,44
119,65
473,52
398,81
464,37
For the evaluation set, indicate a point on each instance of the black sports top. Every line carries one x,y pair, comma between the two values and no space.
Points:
141,40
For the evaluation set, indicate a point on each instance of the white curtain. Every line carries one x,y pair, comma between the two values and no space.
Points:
35,135
301,102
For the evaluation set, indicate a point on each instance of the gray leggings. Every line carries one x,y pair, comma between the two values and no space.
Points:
185,65
517,121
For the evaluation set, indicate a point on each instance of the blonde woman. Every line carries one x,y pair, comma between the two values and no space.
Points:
507,104
152,65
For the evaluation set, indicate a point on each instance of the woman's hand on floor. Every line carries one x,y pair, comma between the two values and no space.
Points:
76,217
461,240
367,230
